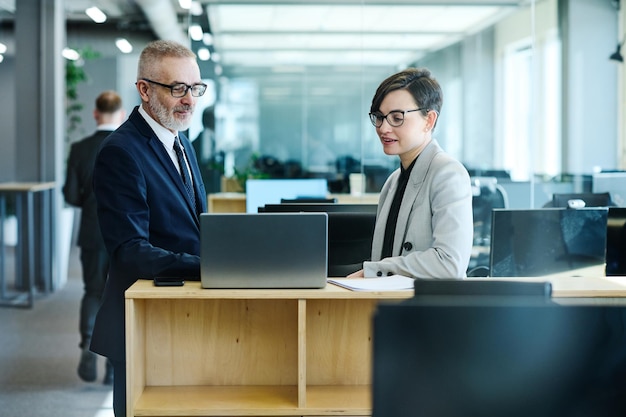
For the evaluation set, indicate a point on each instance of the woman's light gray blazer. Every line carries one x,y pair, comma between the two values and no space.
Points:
434,232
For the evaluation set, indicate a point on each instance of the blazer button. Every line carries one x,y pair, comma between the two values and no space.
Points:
379,273
407,246
389,274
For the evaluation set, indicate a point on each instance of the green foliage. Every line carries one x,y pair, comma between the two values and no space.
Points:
74,75
251,171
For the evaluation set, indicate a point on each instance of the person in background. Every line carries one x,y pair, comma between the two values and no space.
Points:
424,226
78,191
149,193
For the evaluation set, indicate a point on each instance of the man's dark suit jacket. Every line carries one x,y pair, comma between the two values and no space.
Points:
78,189
146,219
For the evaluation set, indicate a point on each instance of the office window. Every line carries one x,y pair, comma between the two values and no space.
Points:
517,102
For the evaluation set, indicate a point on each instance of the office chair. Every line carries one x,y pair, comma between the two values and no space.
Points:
487,195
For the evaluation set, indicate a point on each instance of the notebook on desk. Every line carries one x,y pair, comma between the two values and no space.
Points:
263,250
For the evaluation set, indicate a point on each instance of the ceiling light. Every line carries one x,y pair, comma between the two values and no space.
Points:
196,9
195,32
207,39
3,48
71,54
96,14
185,4
204,54
123,45
1,58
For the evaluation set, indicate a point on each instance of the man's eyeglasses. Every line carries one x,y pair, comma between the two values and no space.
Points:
395,118
180,89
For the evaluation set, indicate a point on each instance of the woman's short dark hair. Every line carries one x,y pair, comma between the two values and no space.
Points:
419,82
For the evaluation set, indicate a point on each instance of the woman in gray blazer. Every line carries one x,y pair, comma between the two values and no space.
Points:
424,226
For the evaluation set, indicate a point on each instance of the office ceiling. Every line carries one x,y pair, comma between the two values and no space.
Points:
290,33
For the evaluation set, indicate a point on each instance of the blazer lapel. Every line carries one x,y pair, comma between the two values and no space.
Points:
166,162
412,193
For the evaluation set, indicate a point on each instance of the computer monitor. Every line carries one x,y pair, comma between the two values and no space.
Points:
350,232
538,242
319,207
613,183
463,356
616,242
305,200
260,192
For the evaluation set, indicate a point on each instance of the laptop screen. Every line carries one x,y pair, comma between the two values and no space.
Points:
537,242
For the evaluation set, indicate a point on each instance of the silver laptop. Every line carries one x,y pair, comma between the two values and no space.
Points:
263,250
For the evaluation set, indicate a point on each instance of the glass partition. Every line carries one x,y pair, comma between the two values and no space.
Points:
294,82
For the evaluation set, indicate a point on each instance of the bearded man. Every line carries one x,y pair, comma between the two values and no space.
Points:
149,194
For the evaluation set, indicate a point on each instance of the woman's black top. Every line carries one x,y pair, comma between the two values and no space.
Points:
392,219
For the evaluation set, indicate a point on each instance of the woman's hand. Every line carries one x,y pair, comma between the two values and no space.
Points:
357,274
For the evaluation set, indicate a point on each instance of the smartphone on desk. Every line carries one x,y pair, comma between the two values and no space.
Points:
169,281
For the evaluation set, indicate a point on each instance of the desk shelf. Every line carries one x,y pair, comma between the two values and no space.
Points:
252,401
194,352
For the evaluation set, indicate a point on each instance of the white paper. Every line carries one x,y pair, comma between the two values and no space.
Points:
391,283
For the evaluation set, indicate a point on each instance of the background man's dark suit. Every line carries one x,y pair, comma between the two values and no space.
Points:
146,218
78,191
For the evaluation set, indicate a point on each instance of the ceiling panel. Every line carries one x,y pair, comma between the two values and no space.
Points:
324,34
260,33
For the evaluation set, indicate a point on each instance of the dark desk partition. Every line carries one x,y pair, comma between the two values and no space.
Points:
494,357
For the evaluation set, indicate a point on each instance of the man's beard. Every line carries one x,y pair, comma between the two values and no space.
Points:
166,117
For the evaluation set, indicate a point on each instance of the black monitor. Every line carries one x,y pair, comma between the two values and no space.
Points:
306,200
616,242
537,242
319,207
466,357
350,232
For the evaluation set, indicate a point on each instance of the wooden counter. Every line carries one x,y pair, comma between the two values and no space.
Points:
195,352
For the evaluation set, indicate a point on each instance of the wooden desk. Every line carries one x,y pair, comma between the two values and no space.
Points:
195,352
31,253
236,202
200,352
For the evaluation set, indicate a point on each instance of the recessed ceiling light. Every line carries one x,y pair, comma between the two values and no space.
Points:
71,54
123,45
204,54
96,14
195,32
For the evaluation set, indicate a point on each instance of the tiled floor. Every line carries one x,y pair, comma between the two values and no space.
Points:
39,354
